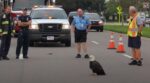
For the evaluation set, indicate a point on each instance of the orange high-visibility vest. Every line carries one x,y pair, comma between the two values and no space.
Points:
133,28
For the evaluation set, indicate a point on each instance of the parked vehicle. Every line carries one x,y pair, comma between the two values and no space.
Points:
96,21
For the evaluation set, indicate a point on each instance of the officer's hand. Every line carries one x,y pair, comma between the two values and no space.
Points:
88,30
139,34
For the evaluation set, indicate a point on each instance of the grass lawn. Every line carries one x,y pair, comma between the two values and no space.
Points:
123,29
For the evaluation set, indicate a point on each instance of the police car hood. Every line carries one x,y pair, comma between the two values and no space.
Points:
49,21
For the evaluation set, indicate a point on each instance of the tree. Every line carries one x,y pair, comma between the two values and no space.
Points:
125,4
94,5
111,8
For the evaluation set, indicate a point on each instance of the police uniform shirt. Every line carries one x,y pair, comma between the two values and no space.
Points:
81,23
24,19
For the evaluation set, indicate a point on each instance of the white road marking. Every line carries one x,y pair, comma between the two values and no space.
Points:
128,56
95,42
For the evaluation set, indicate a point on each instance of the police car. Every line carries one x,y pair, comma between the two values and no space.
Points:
49,24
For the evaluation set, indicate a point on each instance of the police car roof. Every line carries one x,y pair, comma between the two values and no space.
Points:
90,13
47,7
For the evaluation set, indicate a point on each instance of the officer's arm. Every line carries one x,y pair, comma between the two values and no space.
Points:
140,23
89,24
73,26
140,28
20,23
29,22
89,27
26,23
0,23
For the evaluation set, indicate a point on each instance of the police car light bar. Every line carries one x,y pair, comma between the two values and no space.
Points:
50,6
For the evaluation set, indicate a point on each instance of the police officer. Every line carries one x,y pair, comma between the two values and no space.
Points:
6,30
80,27
24,22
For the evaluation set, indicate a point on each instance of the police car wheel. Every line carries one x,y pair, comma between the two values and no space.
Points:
97,30
101,28
68,43
31,43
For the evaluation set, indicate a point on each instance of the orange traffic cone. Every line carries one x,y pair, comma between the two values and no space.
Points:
120,48
111,42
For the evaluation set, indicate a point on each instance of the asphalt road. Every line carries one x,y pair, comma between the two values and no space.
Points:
54,63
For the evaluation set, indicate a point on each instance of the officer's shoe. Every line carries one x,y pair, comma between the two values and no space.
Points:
17,57
139,63
86,56
6,58
25,57
78,56
0,58
134,62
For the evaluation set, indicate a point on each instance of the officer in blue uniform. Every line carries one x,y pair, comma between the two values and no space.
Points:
6,30
80,26
24,22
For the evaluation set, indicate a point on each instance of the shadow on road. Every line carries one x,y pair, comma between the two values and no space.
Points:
50,45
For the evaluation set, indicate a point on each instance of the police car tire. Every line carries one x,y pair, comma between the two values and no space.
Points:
31,44
68,43
102,29
97,30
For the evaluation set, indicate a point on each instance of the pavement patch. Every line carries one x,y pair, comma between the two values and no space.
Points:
50,53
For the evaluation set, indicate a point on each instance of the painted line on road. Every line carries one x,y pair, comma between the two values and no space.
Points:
128,56
95,42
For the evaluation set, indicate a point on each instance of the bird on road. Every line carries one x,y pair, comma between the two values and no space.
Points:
95,66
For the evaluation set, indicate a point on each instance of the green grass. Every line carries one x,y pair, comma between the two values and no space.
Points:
123,29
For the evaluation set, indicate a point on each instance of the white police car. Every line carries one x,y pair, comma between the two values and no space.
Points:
49,24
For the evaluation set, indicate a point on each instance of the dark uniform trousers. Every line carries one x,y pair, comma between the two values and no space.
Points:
23,42
5,45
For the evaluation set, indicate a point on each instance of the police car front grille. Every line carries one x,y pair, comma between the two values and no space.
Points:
50,27
95,22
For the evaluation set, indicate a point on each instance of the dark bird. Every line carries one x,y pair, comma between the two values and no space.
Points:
96,67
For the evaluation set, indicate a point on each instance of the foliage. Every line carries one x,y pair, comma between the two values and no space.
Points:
123,29
94,5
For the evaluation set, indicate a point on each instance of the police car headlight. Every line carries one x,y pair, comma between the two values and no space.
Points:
66,26
100,22
34,26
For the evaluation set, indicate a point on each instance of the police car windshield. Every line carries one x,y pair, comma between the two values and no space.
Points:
48,14
73,14
20,4
93,16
